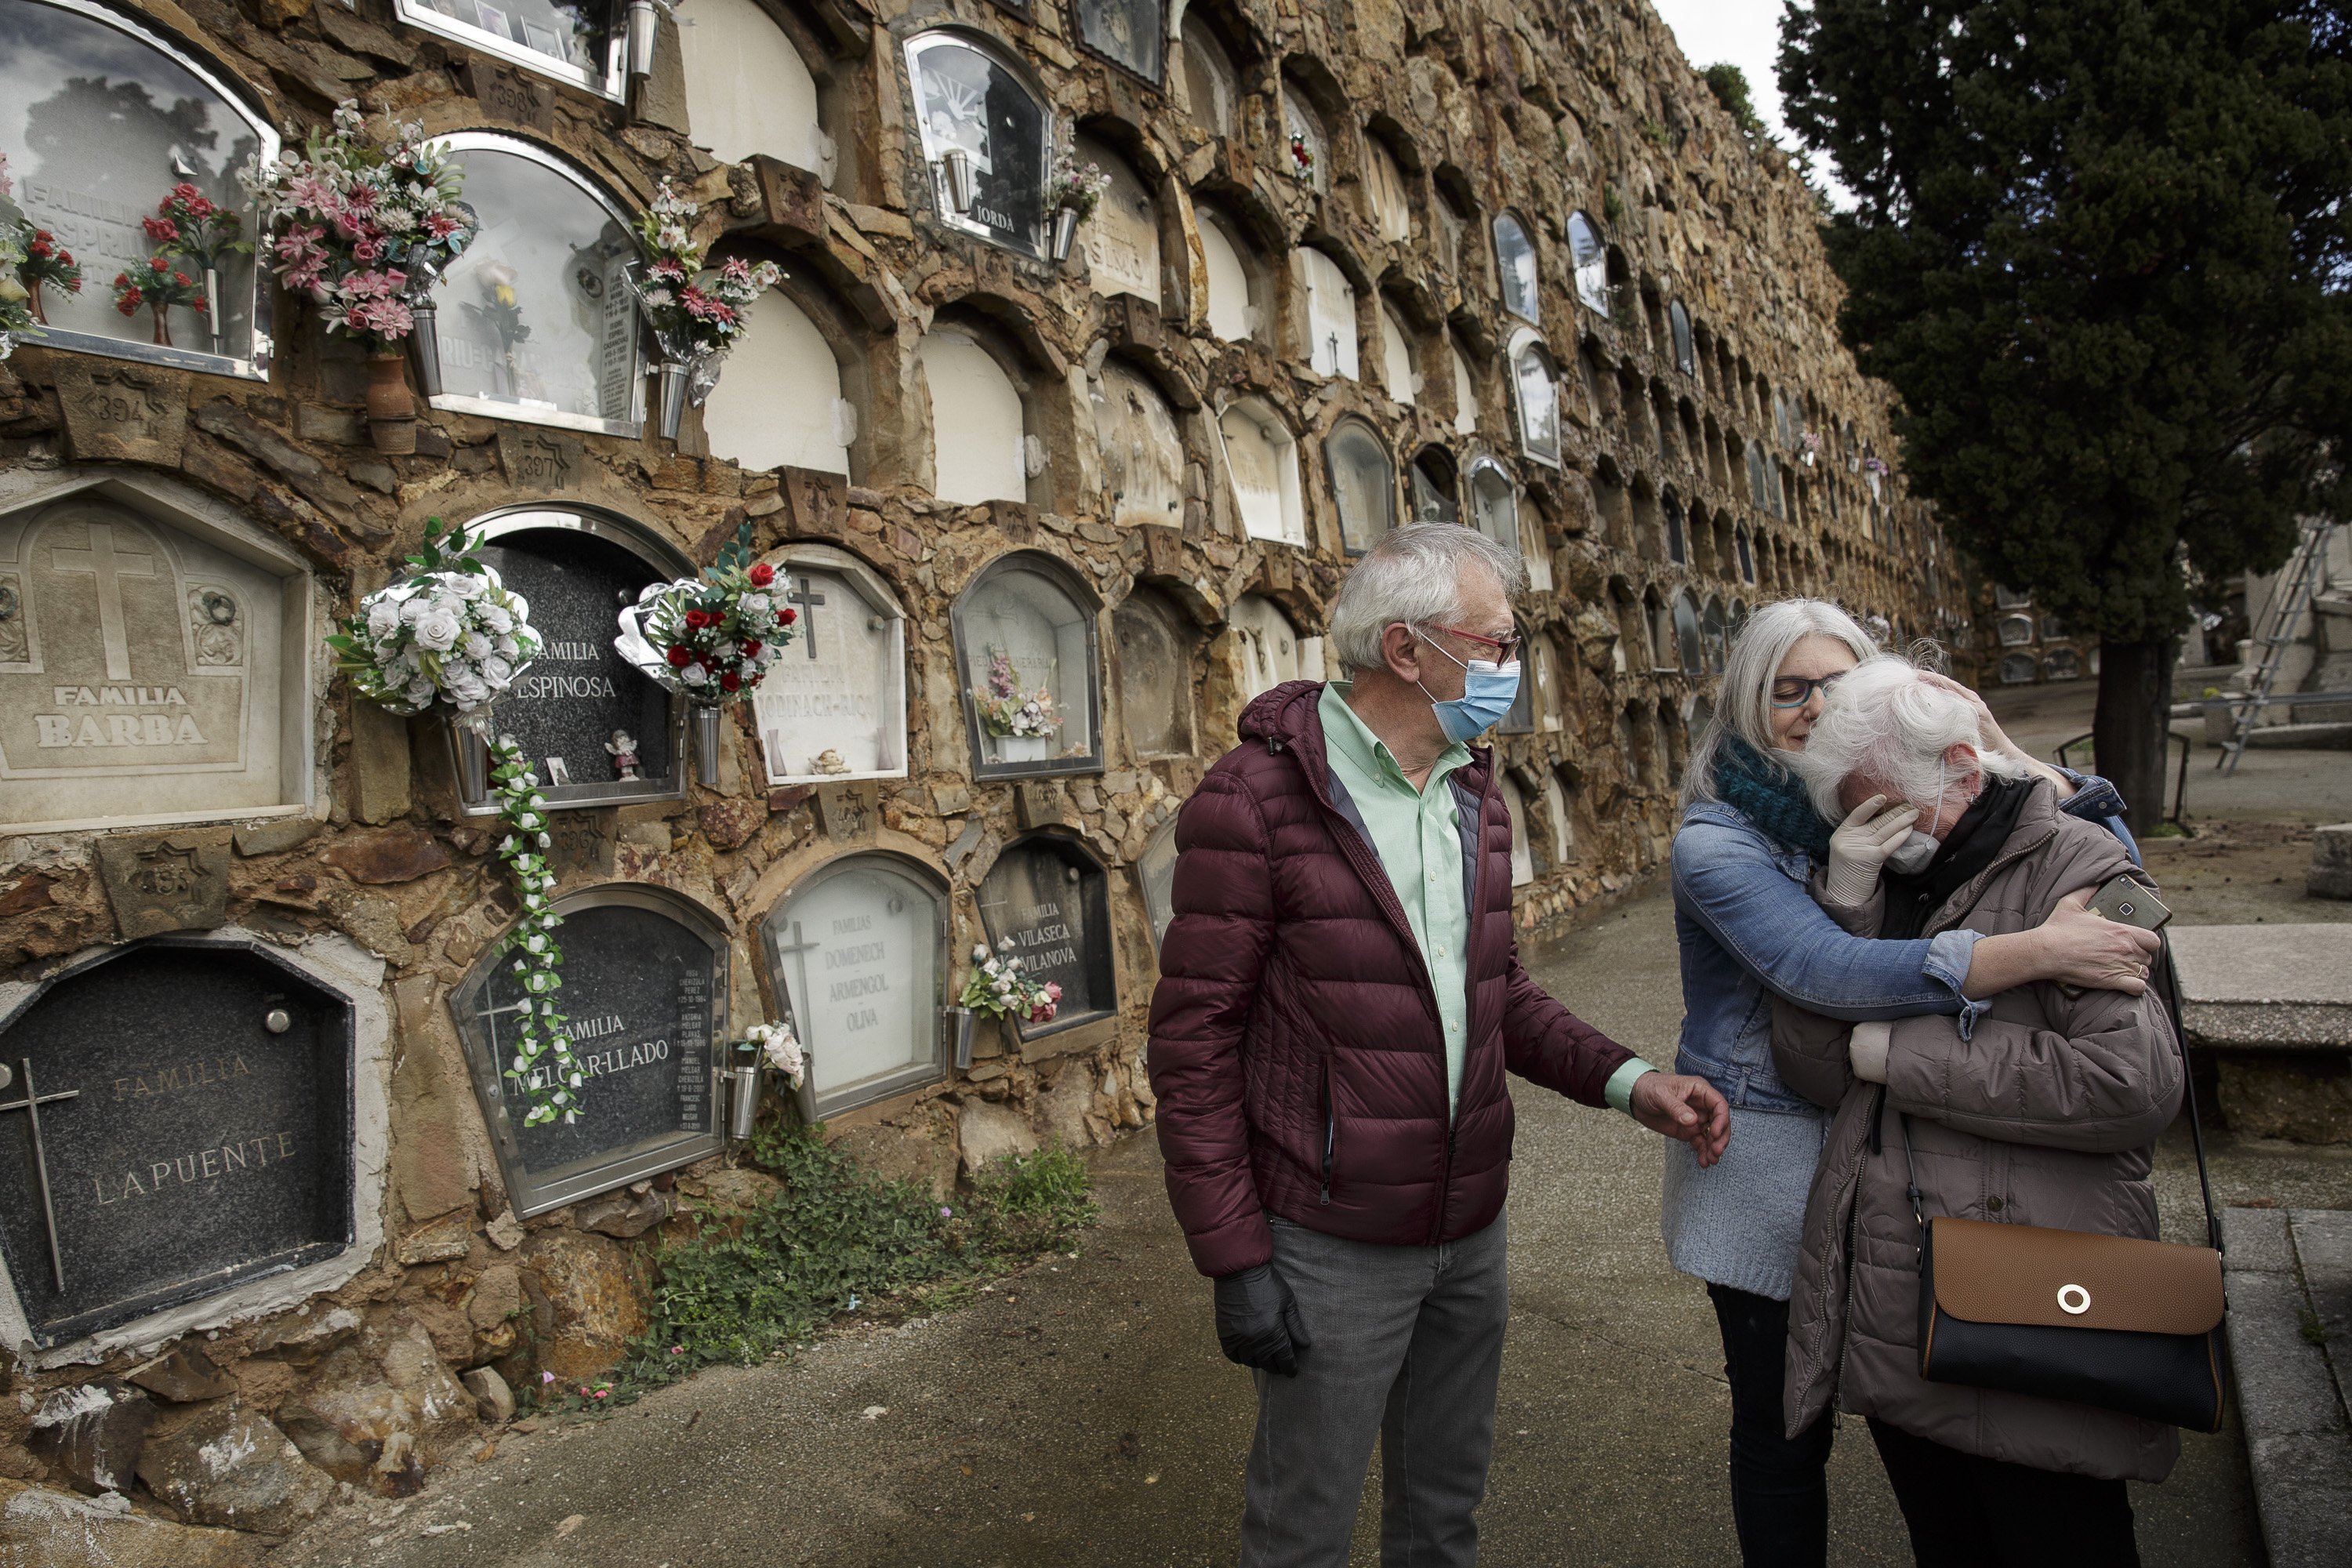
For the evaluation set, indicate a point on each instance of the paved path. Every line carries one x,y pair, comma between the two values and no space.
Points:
1081,1414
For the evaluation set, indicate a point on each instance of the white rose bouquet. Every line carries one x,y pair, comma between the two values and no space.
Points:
999,989
451,636
780,1048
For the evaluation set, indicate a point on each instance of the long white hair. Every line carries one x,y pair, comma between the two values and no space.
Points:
1745,708
1886,723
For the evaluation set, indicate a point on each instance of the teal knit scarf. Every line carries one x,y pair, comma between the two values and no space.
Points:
1770,795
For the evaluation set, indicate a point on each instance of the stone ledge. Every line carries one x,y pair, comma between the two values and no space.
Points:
2266,987
2297,1442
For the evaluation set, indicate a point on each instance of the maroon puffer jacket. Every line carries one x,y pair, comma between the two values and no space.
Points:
1296,1047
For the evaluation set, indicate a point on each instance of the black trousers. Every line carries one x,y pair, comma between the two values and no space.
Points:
1966,1511
1779,1485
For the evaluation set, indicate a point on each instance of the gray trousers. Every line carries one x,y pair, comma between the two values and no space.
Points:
1405,1342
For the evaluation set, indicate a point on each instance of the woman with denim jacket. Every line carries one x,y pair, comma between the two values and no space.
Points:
1749,848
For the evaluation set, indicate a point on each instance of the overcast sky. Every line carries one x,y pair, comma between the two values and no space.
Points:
1747,34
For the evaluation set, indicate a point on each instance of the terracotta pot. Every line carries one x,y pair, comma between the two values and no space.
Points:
391,413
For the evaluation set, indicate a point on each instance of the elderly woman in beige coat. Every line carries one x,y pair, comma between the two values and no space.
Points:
2033,1108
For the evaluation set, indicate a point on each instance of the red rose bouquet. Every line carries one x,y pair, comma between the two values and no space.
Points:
159,283
713,637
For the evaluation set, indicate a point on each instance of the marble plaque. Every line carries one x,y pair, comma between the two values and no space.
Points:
139,669
1122,237
195,1130
1142,455
1051,899
171,881
1155,675
855,954
572,708
645,1005
834,705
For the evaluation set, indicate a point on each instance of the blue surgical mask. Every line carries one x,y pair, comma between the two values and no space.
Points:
1488,690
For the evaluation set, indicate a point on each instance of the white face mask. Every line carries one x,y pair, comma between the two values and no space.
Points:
1911,856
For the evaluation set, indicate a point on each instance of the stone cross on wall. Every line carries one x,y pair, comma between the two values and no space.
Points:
807,599
101,562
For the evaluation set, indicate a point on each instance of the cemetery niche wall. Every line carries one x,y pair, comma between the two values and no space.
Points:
645,1007
1050,899
1188,443
597,730
857,960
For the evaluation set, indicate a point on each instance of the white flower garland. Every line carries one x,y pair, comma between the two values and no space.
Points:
542,1061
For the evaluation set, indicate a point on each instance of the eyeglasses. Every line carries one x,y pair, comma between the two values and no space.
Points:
1795,691
1507,649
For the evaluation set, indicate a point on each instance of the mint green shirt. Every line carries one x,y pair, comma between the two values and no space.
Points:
1417,834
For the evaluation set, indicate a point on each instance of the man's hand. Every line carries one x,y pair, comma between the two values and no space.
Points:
1682,1107
1258,1323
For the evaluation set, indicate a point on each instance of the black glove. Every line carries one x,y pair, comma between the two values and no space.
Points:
1258,1323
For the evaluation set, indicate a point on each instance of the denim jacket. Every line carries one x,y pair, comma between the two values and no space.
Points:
1745,919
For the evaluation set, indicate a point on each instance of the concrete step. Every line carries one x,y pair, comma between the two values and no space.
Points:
2272,1005
2300,737
2289,1278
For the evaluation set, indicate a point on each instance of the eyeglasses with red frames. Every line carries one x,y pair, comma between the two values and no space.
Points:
1505,648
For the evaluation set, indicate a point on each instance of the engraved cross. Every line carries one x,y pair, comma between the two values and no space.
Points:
807,599
108,568
31,1106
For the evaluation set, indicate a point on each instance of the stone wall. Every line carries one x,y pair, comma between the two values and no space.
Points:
1697,484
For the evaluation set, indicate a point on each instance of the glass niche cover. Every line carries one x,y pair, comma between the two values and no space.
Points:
857,958
580,44
99,122
967,100
537,322
835,706
1024,638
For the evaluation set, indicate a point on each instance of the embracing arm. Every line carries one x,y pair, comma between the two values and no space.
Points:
1211,961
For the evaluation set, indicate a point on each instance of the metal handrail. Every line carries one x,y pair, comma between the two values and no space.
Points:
2179,777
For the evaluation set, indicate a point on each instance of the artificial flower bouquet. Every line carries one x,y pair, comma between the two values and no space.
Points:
541,1061
711,638
157,284
362,226
1076,185
1006,711
1000,989
780,1049
696,313
451,636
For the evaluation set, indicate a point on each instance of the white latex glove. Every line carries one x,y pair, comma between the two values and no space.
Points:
1860,846
1867,1051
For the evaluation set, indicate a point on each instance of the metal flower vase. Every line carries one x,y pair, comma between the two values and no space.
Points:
743,1076
962,1022
424,347
468,745
702,721
643,31
962,178
676,376
1066,232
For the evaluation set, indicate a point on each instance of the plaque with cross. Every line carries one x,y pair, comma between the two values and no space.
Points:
856,957
643,1006
177,1120
835,706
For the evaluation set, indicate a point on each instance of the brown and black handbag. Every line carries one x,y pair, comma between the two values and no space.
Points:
2114,1321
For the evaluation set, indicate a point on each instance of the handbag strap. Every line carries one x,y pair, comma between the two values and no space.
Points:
2167,983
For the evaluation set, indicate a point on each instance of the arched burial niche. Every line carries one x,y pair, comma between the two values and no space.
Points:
1229,310
780,400
580,43
103,118
1142,453
1211,84
2018,669
175,1199
1514,266
834,706
1465,391
1122,238
1026,626
1152,643
645,984
1266,649
1591,260
1048,897
747,87
979,446
537,320
1434,498
1494,506
1328,312
857,960
1689,640
580,706
1397,375
1387,191
1686,358
1535,385
1306,154
1262,463
155,655
1364,484
1523,856
971,98
1127,33
1155,876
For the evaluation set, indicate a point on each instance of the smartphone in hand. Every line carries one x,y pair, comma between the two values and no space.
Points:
2127,902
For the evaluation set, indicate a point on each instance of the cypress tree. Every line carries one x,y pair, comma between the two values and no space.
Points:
2098,248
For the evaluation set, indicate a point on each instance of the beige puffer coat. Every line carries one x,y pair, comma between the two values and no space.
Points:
2047,1115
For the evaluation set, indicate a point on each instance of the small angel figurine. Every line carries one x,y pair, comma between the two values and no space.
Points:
624,748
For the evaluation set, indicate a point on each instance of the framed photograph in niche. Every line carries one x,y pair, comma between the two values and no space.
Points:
857,960
835,706
578,42
596,729
970,99
1535,388
537,320
1027,657
1049,896
102,119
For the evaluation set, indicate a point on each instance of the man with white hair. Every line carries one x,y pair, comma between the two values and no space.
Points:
1341,997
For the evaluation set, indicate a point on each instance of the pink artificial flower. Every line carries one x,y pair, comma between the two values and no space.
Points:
310,190
162,230
735,270
668,271
367,252
298,245
441,225
546,1377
